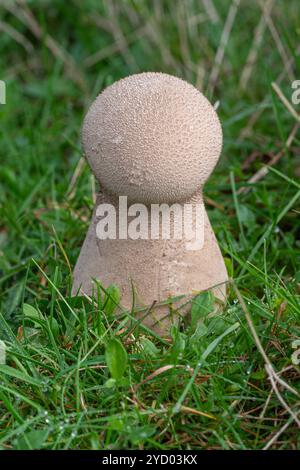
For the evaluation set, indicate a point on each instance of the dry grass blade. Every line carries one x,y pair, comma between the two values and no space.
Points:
118,35
156,37
255,116
211,11
258,343
24,14
82,402
187,409
279,45
223,43
18,37
93,188
258,37
278,434
78,171
159,371
286,102
271,375
262,172
182,29
117,46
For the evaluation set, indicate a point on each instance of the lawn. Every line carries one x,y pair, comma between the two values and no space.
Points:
73,374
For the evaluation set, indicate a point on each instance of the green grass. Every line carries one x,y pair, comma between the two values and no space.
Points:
68,382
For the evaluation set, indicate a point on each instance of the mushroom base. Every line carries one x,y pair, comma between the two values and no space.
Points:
157,269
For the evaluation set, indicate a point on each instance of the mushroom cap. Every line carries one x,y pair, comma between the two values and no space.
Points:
153,138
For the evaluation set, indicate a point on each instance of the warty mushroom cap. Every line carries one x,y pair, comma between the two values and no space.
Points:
152,137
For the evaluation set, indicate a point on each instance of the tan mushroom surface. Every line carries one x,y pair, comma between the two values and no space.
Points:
152,137
156,139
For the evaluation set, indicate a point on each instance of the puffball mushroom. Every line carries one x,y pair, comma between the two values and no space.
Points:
156,139
152,137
